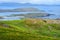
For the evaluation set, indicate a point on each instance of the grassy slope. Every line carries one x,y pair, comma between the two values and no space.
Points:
29,30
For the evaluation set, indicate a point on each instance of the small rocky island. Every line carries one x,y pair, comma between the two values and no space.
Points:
32,15
21,10
27,12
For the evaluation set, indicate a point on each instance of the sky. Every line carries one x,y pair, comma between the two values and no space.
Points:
33,1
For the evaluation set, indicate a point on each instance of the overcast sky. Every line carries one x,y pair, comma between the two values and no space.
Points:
33,1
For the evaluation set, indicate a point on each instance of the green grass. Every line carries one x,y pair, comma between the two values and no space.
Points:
29,30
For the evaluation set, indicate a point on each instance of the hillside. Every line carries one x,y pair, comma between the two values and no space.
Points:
29,29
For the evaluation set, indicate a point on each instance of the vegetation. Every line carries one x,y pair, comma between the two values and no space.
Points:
29,29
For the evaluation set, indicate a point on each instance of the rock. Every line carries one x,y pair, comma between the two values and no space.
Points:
1,17
57,18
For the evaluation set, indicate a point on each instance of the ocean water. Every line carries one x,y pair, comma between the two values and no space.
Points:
49,9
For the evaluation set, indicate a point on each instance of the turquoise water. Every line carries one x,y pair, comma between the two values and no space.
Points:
49,9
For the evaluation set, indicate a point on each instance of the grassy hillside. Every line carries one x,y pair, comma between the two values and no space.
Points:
29,29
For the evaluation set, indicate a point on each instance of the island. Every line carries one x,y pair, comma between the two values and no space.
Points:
30,9
32,15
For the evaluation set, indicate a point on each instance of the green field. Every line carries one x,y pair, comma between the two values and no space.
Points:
29,30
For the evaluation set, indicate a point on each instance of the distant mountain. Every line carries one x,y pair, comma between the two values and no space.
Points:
15,4
24,4
10,4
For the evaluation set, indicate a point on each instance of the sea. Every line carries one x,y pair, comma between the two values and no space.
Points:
51,9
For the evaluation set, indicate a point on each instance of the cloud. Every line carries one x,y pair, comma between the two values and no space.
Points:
33,1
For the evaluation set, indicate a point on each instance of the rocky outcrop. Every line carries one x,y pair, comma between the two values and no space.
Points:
1,17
